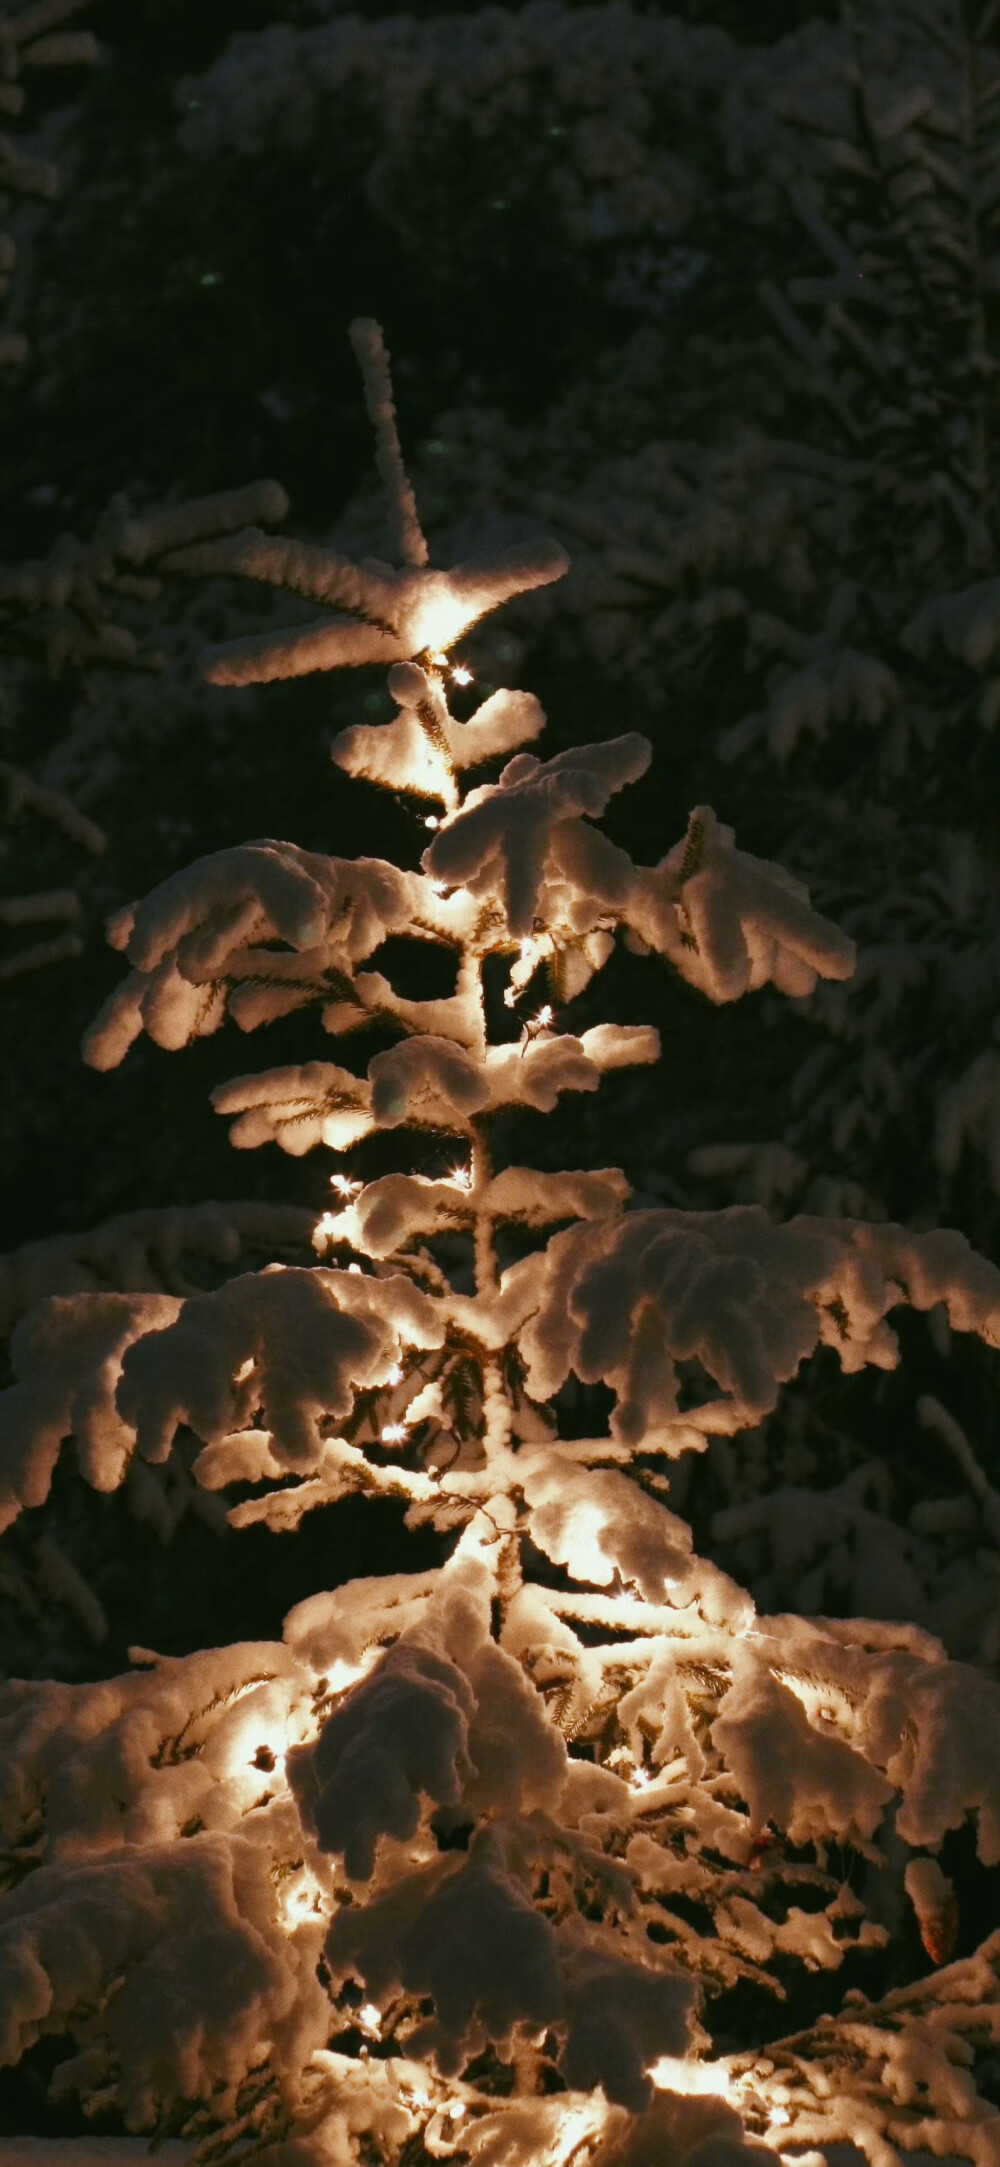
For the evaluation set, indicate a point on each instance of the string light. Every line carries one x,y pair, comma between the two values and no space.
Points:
299,1905
394,1433
432,821
304,1900
460,1176
693,2079
461,675
537,1024
344,1185
416,2094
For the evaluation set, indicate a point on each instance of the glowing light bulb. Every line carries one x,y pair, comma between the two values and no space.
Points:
302,1901
440,661
432,821
677,2074
460,1177
344,1185
370,2016
356,1269
585,1557
394,1433
461,676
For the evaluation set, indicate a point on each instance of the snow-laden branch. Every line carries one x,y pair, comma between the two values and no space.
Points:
745,1300
120,1372
382,615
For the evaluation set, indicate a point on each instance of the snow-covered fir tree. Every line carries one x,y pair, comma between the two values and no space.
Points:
462,1866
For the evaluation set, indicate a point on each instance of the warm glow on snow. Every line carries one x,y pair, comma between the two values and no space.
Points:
579,2126
535,1777
672,2074
585,1555
301,1898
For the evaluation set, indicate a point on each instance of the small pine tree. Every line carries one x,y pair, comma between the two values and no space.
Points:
459,1867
